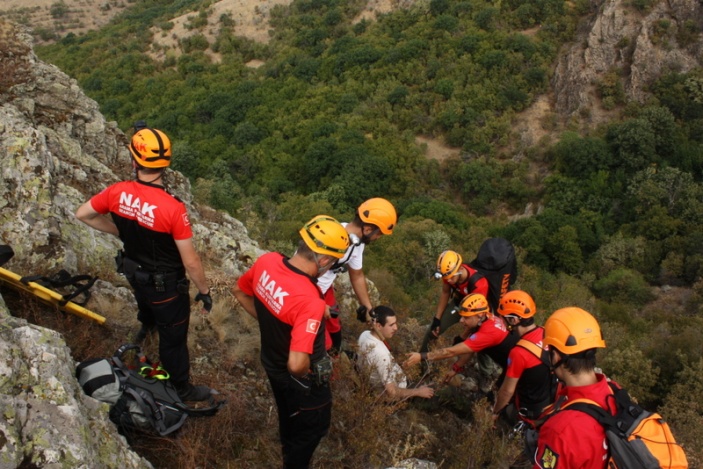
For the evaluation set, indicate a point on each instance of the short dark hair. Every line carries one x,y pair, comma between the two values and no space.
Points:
524,322
305,251
584,361
381,313
357,221
153,171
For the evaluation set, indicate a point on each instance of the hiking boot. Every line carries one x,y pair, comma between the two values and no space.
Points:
140,336
189,392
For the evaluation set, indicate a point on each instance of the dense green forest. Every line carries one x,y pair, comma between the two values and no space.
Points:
331,118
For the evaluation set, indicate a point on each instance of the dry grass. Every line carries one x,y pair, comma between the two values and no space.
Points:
367,431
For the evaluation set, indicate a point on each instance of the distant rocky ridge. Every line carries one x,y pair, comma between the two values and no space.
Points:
638,47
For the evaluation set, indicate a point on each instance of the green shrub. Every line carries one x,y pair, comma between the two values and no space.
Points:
683,410
624,285
630,368
58,10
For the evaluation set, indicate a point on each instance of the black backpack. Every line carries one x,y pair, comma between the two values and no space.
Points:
497,263
139,401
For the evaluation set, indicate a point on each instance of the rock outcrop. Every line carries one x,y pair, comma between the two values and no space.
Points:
47,421
636,47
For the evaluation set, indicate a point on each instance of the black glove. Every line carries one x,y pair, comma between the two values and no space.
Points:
361,313
206,299
435,323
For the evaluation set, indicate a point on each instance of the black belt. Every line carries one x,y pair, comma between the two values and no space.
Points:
168,276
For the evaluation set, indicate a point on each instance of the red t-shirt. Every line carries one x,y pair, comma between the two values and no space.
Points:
289,307
149,220
462,289
520,358
490,333
572,439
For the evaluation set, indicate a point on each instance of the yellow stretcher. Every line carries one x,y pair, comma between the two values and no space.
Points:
47,295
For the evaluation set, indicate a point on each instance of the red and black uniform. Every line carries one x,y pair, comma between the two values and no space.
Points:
532,394
493,339
458,292
571,438
149,221
290,309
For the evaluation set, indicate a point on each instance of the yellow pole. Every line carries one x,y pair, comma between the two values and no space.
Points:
47,295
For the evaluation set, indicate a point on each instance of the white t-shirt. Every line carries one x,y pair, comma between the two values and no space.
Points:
352,258
375,356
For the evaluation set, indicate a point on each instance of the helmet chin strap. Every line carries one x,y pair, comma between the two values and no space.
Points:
561,361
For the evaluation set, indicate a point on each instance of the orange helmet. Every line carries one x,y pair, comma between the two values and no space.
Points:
517,303
448,264
379,212
473,304
151,148
325,235
572,330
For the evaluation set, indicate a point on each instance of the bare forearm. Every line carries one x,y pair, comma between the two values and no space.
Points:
197,275
397,393
505,394
442,354
95,220
245,300
414,357
442,305
193,265
358,282
502,400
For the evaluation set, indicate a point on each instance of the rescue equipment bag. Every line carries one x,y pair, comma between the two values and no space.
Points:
637,438
497,263
141,398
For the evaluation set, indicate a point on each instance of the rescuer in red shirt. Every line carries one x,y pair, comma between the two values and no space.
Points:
528,384
571,438
282,294
158,251
457,281
488,335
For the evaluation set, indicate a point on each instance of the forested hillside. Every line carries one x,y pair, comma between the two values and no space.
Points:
608,217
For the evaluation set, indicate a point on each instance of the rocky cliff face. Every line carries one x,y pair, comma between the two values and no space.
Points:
56,150
47,421
636,47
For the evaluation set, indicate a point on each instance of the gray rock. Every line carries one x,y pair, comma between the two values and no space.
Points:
619,38
47,420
